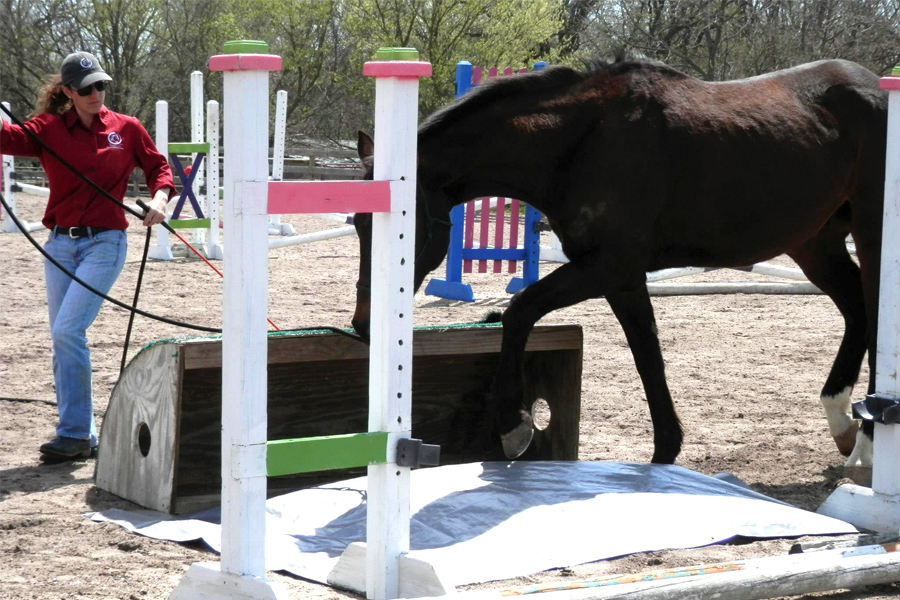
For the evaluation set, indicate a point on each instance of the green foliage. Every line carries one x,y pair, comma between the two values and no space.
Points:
150,47
305,34
486,32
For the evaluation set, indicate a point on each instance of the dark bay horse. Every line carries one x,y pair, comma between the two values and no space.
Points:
639,167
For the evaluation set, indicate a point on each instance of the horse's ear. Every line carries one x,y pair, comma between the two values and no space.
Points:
365,145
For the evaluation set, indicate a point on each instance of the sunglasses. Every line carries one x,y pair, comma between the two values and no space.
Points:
87,90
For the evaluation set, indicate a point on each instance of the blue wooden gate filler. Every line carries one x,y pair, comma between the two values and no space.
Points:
452,288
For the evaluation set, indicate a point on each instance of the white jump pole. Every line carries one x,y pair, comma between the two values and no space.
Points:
34,189
389,571
315,236
724,287
8,170
209,202
753,579
249,198
878,508
161,250
9,187
213,205
390,351
553,252
197,126
276,227
241,573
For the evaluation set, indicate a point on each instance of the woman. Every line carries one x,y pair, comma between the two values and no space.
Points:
87,232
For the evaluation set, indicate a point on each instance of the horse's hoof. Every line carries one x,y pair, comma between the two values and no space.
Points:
662,460
517,441
846,440
862,451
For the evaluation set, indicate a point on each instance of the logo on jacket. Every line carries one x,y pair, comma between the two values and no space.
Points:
115,140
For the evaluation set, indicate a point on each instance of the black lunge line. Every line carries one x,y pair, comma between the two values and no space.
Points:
89,288
137,293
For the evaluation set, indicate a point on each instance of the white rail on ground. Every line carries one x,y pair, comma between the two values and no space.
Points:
754,579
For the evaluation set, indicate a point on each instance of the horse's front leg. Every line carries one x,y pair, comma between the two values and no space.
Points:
584,278
634,311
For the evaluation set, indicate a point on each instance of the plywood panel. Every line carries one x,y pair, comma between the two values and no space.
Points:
139,440
318,385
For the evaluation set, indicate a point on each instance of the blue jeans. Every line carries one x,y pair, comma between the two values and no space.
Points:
97,260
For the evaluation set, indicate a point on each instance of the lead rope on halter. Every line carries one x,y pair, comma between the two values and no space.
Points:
141,204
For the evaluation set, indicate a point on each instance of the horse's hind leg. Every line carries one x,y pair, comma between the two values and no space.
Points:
634,311
866,227
827,264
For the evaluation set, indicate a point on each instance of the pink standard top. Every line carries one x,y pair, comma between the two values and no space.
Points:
245,62
402,69
889,83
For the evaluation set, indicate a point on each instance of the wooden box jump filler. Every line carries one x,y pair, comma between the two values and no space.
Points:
160,445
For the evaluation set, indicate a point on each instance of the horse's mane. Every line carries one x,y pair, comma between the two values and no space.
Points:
536,83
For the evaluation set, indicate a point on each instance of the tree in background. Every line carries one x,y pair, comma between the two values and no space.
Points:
306,34
150,47
34,35
485,32
121,33
147,46
185,33
727,39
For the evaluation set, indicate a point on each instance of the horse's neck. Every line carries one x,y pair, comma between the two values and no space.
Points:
488,168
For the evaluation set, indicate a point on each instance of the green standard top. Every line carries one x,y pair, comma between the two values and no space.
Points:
245,47
397,54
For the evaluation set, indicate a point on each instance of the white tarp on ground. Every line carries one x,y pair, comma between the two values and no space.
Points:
488,521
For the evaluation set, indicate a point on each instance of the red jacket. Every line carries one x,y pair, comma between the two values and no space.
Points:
106,154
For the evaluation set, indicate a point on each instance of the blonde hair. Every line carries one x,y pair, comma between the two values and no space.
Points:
51,99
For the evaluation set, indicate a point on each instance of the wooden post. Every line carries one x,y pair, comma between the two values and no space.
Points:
878,508
241,574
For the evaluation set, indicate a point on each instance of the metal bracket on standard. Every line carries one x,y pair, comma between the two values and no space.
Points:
413,453
878,408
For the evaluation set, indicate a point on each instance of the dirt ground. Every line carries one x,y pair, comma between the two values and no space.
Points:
745,372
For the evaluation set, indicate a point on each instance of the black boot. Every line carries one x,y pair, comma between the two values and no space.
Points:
62,448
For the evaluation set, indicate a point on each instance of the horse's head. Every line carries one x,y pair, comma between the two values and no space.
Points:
432,237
